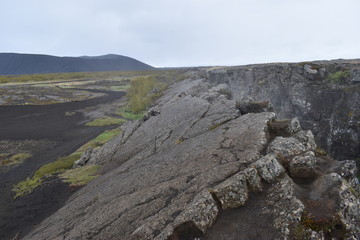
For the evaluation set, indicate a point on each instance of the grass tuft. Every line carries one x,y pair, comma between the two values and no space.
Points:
80,176
107,121
60,165
129,115
100,140
339,77
320,152
64,165
18,158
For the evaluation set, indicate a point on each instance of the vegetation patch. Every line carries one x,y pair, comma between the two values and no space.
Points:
13,159
320,152
321,224
75,177
330,226
213,127
107,121
129,115
120,88
108,75
180,140
143,91
339,77
100,140
312,65
60,165
80,176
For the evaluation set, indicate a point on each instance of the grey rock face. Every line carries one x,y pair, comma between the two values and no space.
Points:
355,76
83,159
303,166
183,172
286,148
305,90
285,127
307,139
269,168
232,192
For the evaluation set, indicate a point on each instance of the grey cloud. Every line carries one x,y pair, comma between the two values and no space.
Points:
184,33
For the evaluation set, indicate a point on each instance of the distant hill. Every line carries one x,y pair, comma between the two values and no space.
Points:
14,63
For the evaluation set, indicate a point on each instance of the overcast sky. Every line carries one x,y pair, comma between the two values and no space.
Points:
169,33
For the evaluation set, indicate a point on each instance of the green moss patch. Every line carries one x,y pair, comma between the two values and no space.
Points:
129,115
13,159
320,152
339,77
101,139
60,165
107,121
80,176
63,166
213,127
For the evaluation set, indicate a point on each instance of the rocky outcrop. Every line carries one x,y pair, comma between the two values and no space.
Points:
202,168
324,95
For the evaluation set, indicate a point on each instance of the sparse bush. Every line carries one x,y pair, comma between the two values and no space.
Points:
339,77
143,91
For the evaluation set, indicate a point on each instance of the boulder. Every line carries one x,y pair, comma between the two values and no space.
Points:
303,166
85,157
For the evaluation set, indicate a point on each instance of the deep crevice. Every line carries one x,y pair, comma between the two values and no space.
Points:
186,231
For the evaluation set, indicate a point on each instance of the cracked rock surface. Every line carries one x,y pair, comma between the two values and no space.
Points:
199,169
329,108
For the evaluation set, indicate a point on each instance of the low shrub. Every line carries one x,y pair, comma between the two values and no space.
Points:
143,91
339,77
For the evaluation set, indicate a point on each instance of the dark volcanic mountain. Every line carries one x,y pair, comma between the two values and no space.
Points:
13,63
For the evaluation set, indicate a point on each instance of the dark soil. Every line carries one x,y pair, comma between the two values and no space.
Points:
238,223
46,122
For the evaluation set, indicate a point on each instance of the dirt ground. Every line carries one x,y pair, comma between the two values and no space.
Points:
49,132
